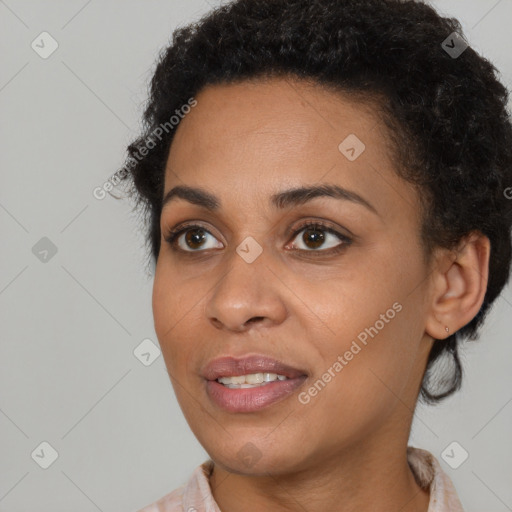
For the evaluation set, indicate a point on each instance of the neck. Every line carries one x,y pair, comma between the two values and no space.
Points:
375,476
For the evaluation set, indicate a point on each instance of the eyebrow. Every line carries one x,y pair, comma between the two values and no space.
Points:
280,200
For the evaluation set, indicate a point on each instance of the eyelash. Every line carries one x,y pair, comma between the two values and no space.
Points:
172,236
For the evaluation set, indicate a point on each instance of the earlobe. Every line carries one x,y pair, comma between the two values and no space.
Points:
459,286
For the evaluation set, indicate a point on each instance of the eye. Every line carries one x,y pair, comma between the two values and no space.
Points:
193,237
316,234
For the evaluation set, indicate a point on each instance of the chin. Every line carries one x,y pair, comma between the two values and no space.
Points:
248,455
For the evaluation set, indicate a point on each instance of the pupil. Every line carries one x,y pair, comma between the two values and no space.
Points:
315,236
195,236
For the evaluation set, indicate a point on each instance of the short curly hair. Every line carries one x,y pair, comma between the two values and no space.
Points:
446,115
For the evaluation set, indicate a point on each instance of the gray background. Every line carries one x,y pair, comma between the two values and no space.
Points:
69,325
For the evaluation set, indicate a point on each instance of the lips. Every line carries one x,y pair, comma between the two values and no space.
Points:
231,366
253,399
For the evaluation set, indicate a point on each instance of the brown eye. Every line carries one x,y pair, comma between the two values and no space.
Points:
191,239
194,238
316,235
313,236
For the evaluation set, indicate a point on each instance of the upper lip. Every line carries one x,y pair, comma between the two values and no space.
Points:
230,366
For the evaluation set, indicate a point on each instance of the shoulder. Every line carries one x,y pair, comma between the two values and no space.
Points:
171,502
195,491
430,475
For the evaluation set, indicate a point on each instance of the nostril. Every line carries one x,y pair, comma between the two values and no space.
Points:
254,318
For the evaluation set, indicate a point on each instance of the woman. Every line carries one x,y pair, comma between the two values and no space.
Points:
325,189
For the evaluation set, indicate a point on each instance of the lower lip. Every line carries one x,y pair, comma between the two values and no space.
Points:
251,399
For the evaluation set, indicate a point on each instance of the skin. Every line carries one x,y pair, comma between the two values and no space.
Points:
304,306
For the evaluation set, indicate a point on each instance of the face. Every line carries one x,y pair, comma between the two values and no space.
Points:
331,285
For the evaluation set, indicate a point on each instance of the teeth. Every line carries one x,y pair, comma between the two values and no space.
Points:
250,381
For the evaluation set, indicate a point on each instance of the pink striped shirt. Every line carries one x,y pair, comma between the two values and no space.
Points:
196,495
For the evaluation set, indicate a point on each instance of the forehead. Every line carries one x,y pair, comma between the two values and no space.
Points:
279,115
259,137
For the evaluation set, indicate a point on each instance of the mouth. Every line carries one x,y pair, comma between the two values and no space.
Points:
251,380
250,383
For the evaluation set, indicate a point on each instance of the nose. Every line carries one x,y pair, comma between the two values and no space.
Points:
248,295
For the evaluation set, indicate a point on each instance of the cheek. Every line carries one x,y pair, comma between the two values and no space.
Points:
367,298
163,304
373,336
174,314
173,310
358,384
172,300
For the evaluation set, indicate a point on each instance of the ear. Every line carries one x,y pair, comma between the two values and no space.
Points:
459,284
